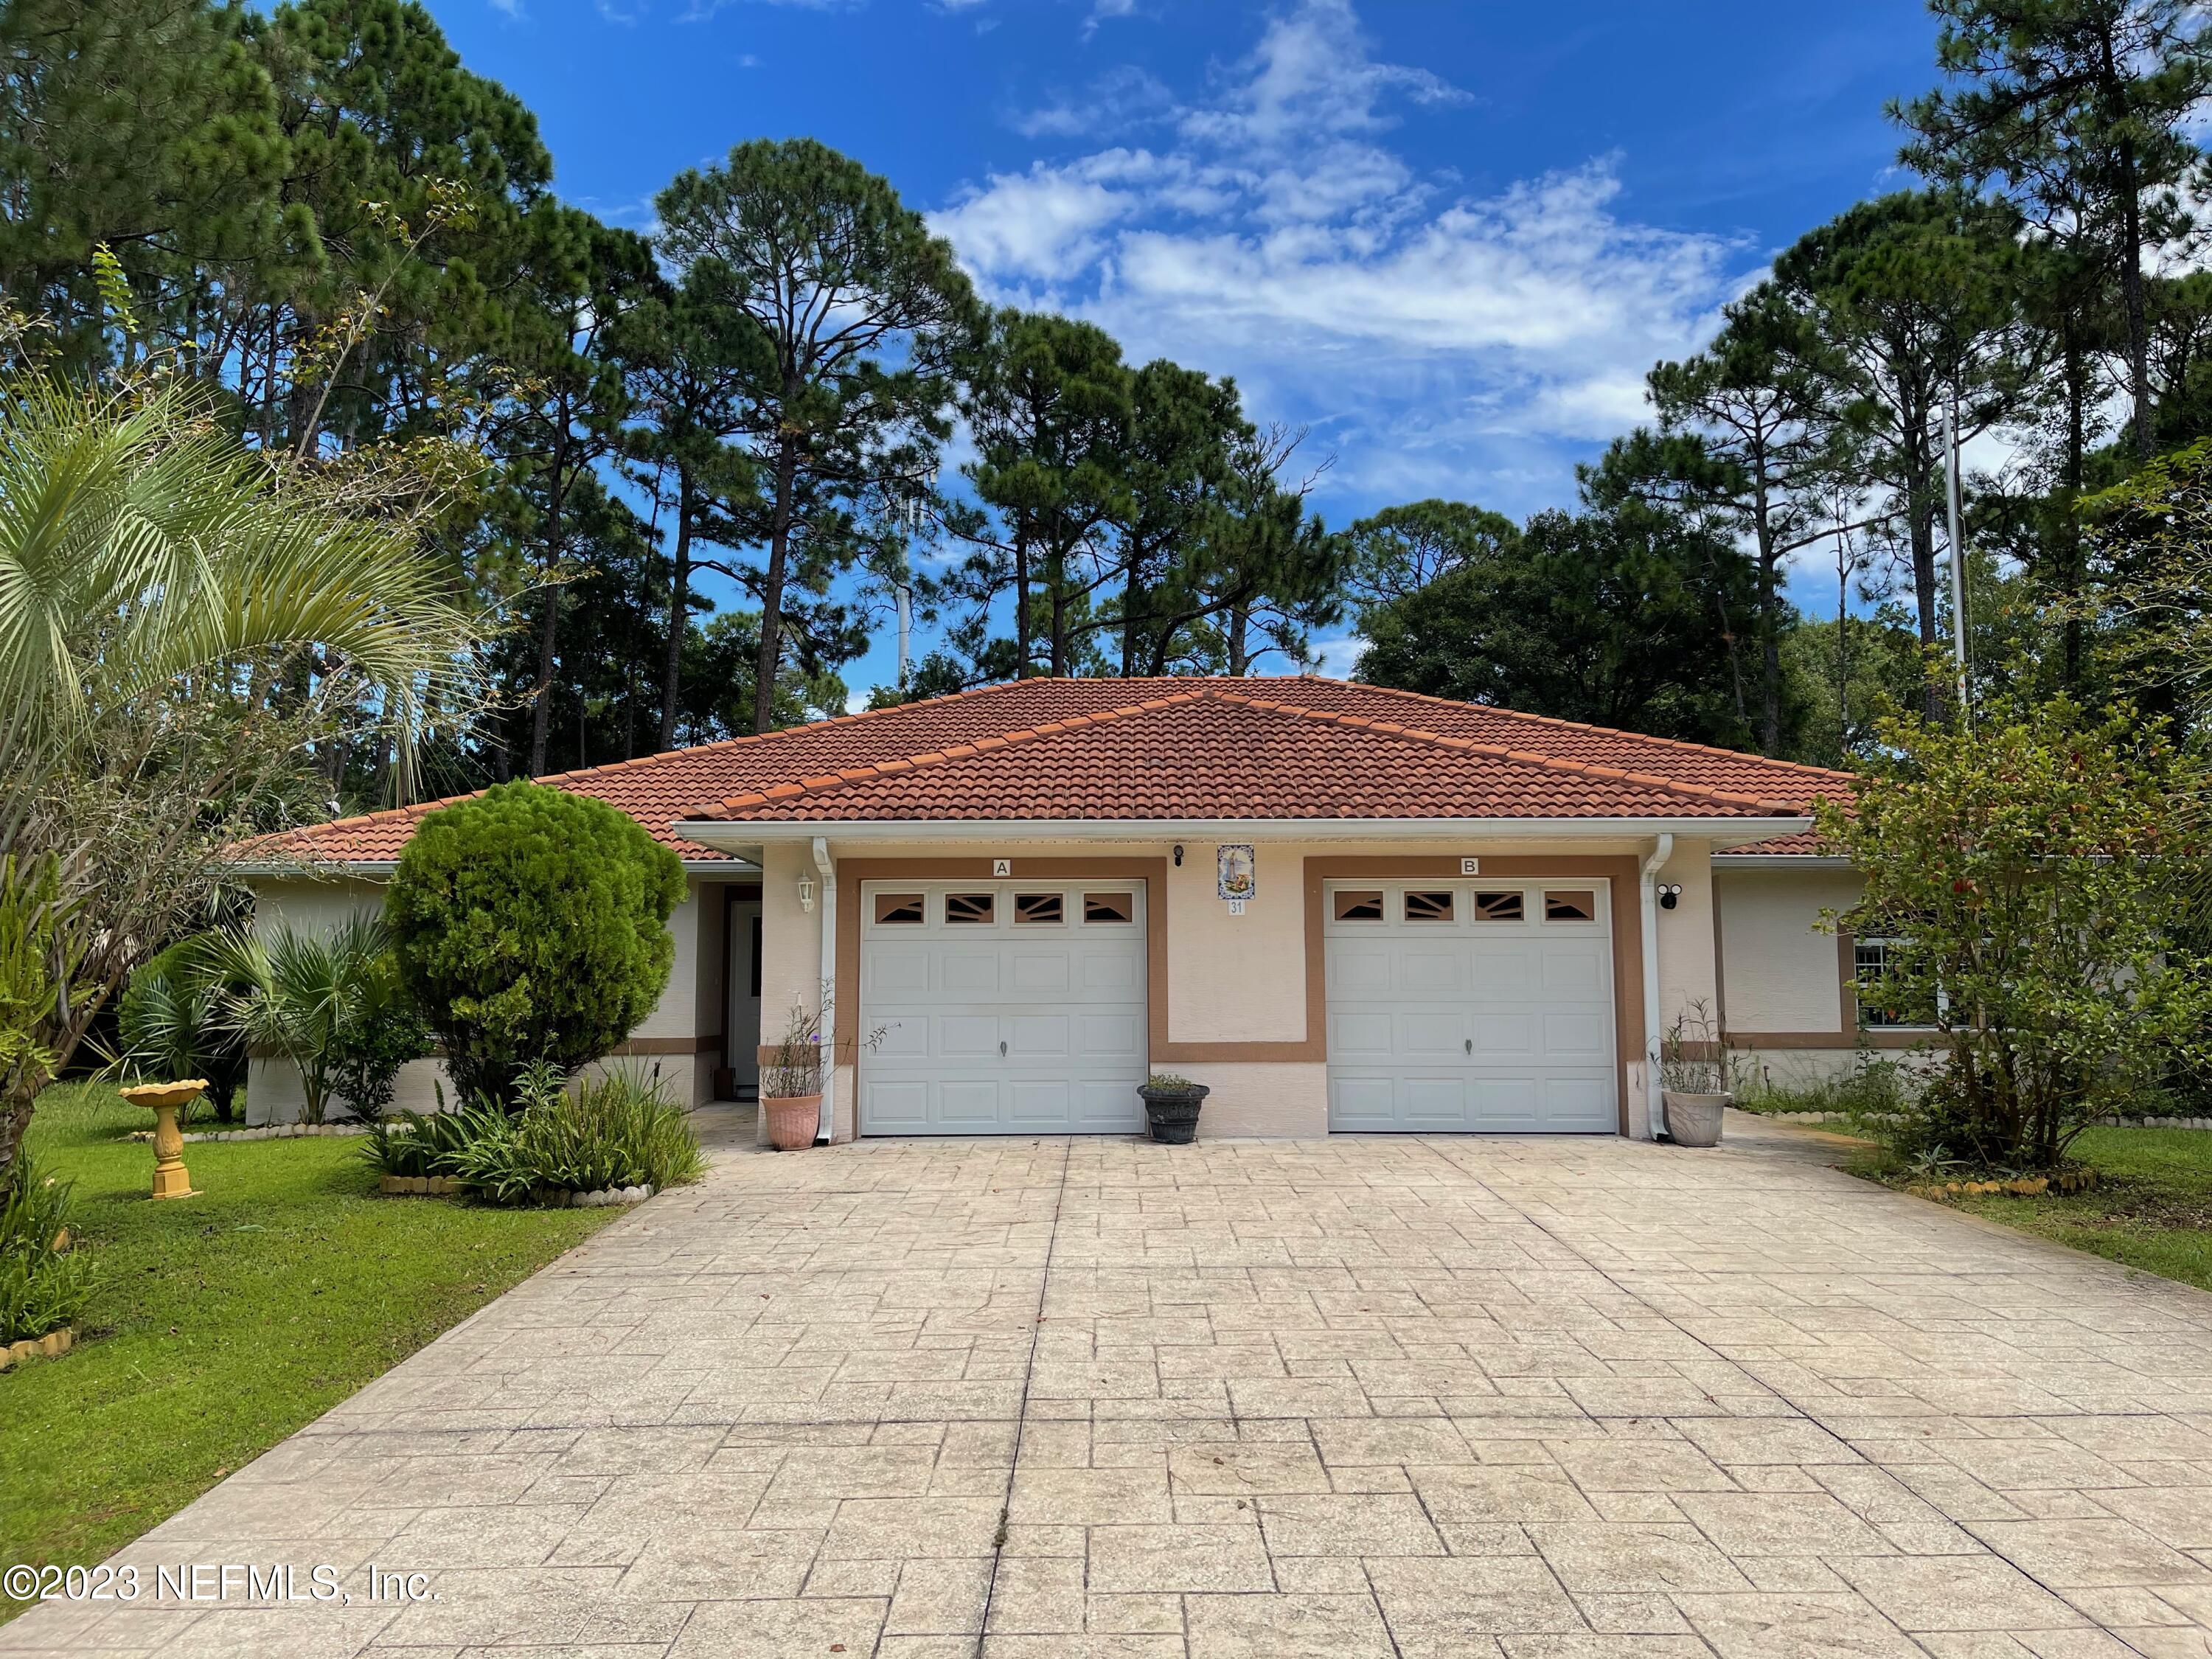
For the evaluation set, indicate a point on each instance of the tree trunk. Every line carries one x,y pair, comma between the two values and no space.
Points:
1770,641
541,712
2076,396
1920,510
1130,596
1056,586
1843,650
1240,660
1769,661
779,554
1734,643
1021,598
678,593
2131,293
15,1123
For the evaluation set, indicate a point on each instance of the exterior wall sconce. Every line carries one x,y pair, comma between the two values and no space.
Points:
1178,855
1670,895
806,894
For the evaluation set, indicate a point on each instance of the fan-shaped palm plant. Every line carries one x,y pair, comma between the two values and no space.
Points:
143,550
302,995
182,622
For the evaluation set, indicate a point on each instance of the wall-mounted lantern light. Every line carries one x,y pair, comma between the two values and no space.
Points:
806,893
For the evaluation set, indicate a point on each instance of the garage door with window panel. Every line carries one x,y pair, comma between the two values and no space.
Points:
1006,1007
1474,1006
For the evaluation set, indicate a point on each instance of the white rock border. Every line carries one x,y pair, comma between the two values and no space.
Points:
267,1132
605,1195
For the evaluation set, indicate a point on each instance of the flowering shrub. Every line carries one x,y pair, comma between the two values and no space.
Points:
2028,870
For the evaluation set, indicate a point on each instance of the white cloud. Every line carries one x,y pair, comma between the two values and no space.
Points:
1312,73
1103,11
1441,342
1046,223
1122,98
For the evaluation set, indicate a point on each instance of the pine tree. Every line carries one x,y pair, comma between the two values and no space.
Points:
866,315
2080,110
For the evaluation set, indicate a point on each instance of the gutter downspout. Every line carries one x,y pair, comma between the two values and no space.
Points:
1654,1107
828,866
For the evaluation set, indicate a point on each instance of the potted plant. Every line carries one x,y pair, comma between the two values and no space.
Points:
1171,1106
1693,1078
791,1082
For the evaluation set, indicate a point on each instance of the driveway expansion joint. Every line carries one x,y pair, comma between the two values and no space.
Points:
1022,1410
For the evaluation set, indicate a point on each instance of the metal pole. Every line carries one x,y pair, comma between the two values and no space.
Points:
905,625
1952,491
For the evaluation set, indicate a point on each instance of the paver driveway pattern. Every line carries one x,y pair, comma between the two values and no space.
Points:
1346,1397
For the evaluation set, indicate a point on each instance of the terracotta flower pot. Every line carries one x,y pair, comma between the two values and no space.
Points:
793,1122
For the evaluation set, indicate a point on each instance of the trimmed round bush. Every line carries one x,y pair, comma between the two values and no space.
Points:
531,924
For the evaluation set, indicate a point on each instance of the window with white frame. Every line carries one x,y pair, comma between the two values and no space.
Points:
1870,962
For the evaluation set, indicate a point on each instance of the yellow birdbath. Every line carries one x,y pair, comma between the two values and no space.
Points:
163,1099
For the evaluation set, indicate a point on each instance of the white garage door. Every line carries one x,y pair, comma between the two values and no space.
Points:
1483,1005
1008,1007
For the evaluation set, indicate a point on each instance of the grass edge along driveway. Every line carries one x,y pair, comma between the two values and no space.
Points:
2152,1210
224,1322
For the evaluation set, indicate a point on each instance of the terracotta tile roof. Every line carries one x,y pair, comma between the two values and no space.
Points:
1281,747
1805,844
1214,753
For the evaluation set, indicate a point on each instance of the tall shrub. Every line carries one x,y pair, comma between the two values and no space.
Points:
2026,873
531,924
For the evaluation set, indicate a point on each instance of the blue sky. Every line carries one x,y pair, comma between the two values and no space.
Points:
1448,239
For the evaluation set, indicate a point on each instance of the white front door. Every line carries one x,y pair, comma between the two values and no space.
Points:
1001,1007
1473,1005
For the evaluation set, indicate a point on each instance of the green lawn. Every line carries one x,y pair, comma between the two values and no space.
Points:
225,1321
2153,1209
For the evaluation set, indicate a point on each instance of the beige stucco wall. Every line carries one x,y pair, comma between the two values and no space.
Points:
689,1008
1269,1098
791,939
1781,971
1237,979
1686,975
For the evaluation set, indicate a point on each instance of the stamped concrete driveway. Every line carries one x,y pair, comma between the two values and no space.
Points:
1346,1398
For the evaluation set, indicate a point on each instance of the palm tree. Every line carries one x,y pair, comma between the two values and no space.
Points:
142,550
304,996
183,621
171,1025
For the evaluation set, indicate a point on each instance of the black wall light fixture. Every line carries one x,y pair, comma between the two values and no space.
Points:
1670,895
1178,855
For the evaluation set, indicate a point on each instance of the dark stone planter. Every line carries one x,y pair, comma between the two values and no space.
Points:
1173,1113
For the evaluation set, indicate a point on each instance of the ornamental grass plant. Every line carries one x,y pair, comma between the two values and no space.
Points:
612,1131
45,1281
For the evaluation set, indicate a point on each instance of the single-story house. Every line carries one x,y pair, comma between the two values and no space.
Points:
1342,908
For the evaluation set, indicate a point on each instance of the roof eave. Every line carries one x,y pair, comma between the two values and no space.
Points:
381,869
1747,860
747,834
